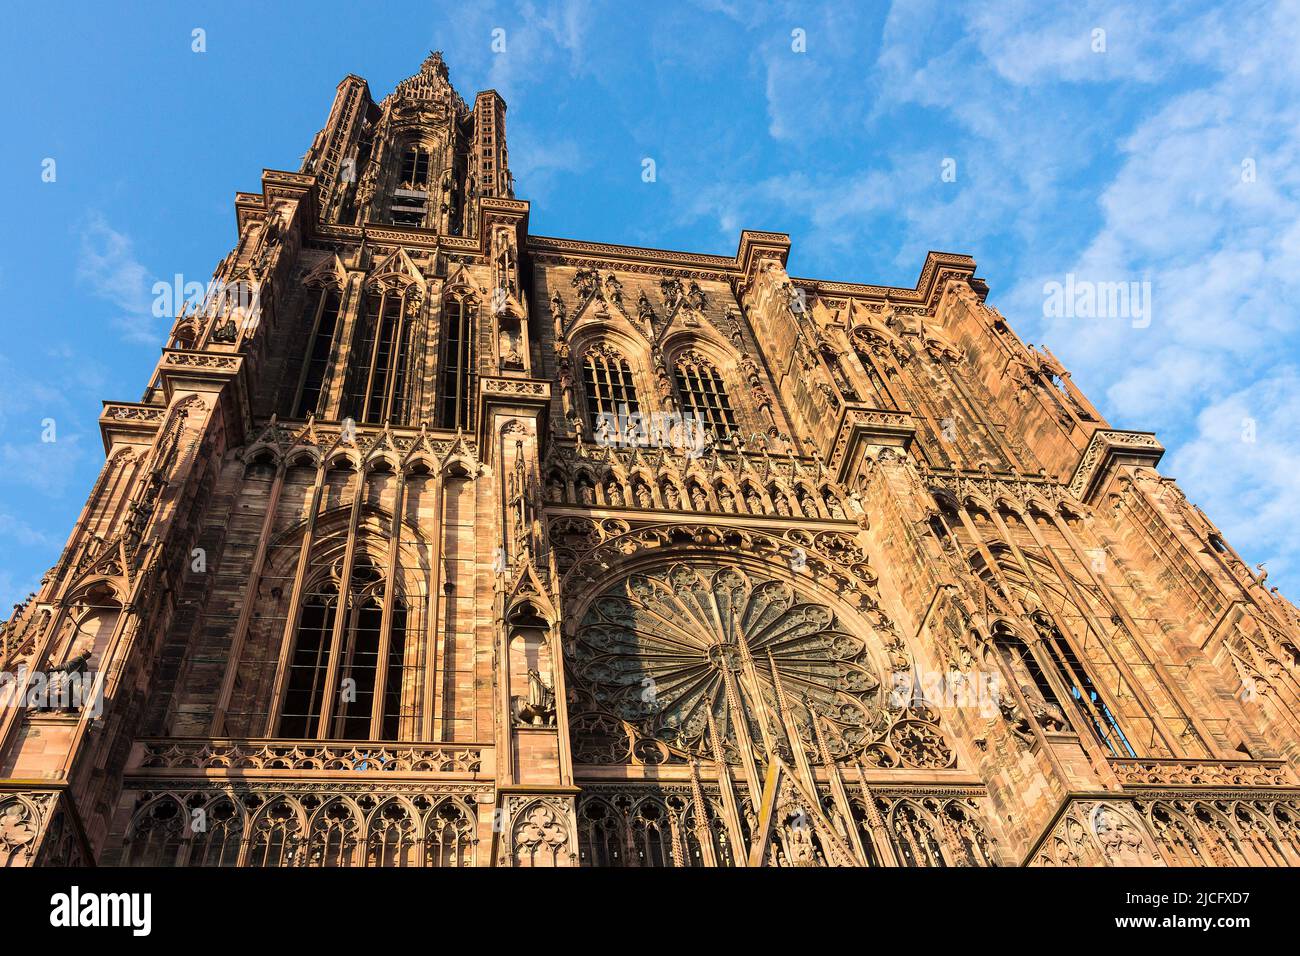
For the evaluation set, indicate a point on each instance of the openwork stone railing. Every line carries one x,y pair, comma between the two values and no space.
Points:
1202,773
178,755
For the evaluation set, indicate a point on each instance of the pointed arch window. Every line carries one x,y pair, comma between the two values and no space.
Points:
1021,662
449,835
652,837
1086,694
410,198
276,838
218,845
324,321
415,168
608,387
600,835
917,841
456,365
157,835
376,390
703,394
365,701
393,836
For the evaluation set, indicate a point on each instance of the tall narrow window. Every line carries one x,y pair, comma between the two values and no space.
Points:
916,837
456,370
415,168
376,373
1084,691
317,361
607,381
394,689
218,844
359,649
397,405
1022,663
703,395
652,837
600,835
381,367
358,673
410,198
308,664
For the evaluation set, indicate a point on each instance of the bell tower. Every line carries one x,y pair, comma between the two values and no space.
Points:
420,158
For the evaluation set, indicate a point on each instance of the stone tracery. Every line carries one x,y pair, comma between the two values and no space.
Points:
661,654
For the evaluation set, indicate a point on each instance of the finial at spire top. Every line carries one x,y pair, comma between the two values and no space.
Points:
434,63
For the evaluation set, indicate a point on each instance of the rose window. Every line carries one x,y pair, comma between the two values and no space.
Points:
660,652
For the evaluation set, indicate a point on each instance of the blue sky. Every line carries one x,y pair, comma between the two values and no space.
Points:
1171,156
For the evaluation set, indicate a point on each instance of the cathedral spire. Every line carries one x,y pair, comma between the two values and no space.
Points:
431,82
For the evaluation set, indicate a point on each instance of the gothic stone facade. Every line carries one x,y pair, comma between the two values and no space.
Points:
433,542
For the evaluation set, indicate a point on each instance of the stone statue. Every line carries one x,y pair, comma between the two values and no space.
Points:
538,708
671,495
1048,714
698,499
799,843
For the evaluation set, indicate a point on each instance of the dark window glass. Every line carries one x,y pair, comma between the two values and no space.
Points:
607,384
704,396
318,358
308,664
456,370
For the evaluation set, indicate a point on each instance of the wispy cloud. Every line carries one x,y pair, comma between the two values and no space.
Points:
1205,204
47,467
1251,429
16,531
108,266
537,161
537,37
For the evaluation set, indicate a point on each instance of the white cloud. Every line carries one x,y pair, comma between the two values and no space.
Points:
19,532
1220,251
806,55
537,162
46,467
1035,119
540,35
109,267
27,399
1243,468
1157,393
1029,43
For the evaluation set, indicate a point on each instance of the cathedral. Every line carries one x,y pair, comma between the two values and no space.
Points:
435,542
